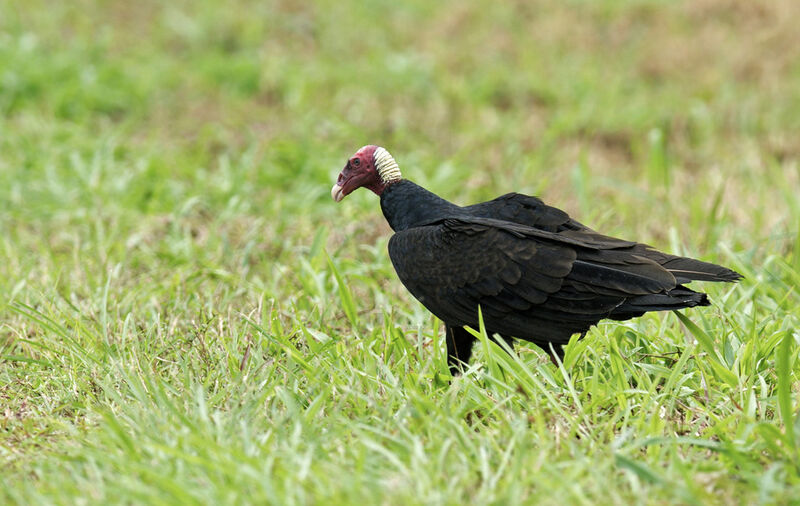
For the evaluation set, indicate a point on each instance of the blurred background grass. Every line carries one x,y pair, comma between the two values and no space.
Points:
165,169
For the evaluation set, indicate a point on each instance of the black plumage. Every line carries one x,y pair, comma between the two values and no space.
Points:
535,273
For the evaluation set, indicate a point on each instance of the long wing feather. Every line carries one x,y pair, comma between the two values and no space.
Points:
531,211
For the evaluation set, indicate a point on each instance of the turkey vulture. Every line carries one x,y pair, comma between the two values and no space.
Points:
535,273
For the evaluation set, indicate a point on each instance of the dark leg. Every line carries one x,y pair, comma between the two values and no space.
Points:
556,351
459,348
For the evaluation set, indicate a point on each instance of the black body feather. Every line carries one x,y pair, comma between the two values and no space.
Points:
536,273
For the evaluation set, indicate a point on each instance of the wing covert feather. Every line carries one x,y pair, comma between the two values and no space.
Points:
454,266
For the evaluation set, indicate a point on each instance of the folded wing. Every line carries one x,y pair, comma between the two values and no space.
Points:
529,283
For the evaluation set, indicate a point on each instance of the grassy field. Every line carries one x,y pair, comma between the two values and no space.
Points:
187,318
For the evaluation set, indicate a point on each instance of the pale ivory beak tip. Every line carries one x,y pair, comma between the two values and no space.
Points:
336,193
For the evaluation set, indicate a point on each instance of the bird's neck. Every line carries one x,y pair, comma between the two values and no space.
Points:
406,205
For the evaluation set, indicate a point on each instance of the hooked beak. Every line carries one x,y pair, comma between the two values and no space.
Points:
337,192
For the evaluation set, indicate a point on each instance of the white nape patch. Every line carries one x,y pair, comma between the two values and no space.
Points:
388,169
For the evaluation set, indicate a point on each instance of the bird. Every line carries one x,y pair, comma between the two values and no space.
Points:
528,269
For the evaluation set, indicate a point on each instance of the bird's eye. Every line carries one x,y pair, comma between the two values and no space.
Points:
356,162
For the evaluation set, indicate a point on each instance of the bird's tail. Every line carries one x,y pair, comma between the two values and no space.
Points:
678,298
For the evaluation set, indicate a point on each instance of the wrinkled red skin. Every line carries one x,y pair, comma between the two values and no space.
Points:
360,172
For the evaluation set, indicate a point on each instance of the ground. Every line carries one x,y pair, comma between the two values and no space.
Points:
186,316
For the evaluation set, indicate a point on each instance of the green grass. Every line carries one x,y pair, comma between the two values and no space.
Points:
186,316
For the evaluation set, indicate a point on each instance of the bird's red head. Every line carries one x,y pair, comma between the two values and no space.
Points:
371,167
